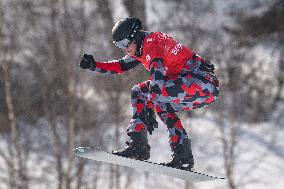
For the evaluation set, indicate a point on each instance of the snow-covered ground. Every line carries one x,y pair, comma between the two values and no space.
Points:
259,158
259,154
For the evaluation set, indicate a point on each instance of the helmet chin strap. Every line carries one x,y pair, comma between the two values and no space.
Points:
139,52
139,42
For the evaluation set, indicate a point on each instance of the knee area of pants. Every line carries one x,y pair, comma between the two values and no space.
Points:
136,88
135,91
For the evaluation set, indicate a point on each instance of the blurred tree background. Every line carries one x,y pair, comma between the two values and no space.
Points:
49,106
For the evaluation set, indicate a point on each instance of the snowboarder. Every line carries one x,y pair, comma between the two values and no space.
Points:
180,80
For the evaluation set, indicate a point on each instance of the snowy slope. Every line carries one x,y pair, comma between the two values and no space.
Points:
259,158
259,154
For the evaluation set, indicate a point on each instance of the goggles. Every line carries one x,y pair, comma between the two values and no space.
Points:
122,44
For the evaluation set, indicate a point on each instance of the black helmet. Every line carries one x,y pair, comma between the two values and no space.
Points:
125,30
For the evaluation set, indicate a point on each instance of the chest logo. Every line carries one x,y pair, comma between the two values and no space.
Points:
149,39
166,69
148,58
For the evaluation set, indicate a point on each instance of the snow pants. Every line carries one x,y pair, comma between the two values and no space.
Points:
184,92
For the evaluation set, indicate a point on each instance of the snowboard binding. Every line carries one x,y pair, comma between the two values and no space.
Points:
138,148
182,157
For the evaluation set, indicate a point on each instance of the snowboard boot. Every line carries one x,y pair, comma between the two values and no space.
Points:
182,157
138,148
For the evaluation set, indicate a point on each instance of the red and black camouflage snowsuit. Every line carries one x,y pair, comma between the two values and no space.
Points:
177,82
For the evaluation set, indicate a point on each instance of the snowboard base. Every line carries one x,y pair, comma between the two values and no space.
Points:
98,154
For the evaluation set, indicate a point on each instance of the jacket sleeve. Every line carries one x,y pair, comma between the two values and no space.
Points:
116,66
157,78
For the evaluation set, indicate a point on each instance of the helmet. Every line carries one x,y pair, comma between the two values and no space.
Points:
125,31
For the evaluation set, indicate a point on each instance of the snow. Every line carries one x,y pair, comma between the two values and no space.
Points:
259,156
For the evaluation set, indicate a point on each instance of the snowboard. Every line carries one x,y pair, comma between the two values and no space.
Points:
98,154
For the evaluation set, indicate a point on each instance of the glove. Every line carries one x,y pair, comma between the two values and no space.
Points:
88,62
207,67
151,122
